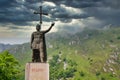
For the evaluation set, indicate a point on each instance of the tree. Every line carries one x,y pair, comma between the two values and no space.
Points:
57,71
9,66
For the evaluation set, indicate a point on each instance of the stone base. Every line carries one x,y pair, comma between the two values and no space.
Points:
37,71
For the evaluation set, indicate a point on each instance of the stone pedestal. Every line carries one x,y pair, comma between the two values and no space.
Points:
37,71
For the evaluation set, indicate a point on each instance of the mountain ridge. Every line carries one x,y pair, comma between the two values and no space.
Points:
4,46
95,53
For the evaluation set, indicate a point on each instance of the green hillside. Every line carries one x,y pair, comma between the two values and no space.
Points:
88,55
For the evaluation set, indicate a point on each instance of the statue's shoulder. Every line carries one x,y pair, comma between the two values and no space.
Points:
34,32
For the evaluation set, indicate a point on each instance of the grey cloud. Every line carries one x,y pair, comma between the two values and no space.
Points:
20,13
7,3
113,4
107,15
78,3
93,8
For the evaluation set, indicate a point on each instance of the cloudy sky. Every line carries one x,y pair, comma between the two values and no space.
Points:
17,20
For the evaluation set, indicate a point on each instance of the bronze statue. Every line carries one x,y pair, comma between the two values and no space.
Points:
38,44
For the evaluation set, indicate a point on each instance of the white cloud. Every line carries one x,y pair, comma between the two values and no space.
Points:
72,11
91,22
49,4
72,23
14,40
21,1
11,30
6,32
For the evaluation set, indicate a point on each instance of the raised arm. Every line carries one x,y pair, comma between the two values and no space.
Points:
49,28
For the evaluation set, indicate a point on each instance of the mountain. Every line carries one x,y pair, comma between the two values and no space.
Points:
5,46
88,55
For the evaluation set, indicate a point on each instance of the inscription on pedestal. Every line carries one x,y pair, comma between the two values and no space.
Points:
37,71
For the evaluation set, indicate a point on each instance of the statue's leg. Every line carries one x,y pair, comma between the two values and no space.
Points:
45,55
41,55
33,55
42,51
38,58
